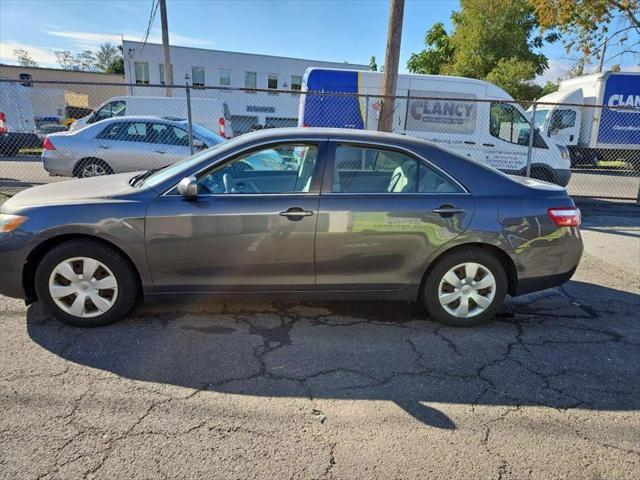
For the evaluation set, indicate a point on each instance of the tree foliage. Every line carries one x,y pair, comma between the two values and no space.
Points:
24,58
491,39
106,58
439,52
584,25
373,65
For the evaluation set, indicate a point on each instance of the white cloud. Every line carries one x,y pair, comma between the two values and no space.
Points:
557,69
44,57
89,40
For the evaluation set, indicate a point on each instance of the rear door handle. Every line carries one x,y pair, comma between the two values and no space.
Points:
488,144
104,147
447,210
296,213
161,152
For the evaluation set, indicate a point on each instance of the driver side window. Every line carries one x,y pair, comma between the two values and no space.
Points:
285,168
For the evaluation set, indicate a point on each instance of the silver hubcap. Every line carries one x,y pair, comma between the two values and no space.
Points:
83,287
467,290
93,170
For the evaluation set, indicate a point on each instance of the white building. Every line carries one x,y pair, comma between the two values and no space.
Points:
215,68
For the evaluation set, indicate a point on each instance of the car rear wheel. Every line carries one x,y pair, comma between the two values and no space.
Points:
86,284
92,167
465,288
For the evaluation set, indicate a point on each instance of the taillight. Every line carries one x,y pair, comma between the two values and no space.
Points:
565,217
3,123
221,128
47,144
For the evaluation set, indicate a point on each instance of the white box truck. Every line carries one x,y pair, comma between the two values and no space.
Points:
592,134
472,117
210,113
17,123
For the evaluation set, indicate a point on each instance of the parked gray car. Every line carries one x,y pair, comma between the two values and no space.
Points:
344,215
122,144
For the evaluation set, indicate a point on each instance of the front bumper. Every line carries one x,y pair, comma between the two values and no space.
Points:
12,262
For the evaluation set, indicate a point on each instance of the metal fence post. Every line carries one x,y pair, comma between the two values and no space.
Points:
366,112
532,132
406,111
189,120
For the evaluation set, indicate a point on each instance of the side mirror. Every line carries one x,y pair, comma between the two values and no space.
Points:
188,187
197,143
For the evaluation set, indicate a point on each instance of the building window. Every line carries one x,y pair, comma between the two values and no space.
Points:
225,77
272,81
161,71
197,76
141,71
296,82
250,80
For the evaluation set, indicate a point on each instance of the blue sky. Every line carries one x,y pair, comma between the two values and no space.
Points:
347,30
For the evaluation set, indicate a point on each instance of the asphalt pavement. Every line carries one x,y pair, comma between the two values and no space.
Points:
549,389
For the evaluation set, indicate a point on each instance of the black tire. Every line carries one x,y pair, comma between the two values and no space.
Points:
91,162
447,262
122,269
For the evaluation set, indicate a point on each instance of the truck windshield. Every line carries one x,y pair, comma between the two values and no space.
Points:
540,117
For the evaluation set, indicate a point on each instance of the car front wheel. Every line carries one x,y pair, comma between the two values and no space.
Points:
84,283
465,288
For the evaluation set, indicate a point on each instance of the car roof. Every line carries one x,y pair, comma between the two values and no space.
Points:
142,118
365,136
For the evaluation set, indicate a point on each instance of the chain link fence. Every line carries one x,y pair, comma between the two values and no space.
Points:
49,132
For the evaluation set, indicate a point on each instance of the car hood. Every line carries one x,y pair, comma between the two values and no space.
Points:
82,190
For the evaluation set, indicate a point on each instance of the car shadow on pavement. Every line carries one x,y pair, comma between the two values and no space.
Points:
574,347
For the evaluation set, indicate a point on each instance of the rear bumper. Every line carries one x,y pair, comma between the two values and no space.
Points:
549,266
528,285
56,165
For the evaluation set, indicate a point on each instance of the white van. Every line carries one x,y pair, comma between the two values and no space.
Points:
211,113
469,116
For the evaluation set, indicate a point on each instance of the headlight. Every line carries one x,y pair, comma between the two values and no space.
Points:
8,223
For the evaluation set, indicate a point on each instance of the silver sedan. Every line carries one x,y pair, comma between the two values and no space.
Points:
122,144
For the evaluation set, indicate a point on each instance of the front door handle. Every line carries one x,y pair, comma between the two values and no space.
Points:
447,210
104,147
296,213
161,152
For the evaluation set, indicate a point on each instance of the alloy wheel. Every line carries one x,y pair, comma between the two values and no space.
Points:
92,170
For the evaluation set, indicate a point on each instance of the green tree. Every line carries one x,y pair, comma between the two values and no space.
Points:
373,65
585,25
549,87
106,55
116,66
439,52
24,58
491,39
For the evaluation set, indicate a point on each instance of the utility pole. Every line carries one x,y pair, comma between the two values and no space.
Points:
604,51
391,60
165,47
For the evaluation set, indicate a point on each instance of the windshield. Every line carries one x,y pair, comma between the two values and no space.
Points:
207,136
167,172
541,115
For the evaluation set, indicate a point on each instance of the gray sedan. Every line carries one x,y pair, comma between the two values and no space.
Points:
332,214
122,144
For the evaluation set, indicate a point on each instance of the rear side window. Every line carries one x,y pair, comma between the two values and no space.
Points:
114,131
373,170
